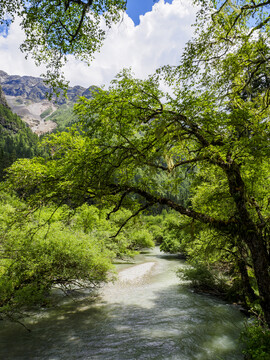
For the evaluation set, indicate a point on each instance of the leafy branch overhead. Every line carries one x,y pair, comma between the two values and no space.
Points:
55,29
230,47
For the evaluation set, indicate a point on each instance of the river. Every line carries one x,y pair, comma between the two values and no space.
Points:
150,315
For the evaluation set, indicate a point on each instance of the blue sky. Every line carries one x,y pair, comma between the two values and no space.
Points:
135,8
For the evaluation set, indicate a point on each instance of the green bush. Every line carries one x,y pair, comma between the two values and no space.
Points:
256,339
93,221
177,234
40,252
202,278
51,256
142,239
170,245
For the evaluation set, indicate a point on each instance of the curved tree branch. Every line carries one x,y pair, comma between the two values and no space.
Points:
154,199
130,217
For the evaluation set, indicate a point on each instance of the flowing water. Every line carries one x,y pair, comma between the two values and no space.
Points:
139,317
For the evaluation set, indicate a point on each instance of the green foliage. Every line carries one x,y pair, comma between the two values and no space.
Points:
177,234
202,278
64,117
16,140
142,239
43,253
155,225
95,222
171,245
52,258
257,342
59,248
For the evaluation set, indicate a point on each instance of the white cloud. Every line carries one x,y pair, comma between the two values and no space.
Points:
12,60
156,41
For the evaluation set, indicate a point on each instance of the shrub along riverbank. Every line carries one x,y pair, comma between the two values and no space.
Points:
62,247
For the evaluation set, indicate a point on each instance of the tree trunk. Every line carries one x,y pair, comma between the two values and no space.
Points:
261,269
251,236
248,291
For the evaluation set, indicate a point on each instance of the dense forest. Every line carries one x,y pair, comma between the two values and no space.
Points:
187,169
16,140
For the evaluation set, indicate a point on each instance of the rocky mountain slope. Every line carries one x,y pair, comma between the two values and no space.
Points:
26,96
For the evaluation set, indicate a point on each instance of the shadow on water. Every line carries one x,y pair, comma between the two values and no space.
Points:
169,256
177,325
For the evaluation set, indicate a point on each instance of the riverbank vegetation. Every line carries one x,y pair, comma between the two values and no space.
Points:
60,248
257,342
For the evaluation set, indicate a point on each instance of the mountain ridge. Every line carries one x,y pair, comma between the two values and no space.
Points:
34,88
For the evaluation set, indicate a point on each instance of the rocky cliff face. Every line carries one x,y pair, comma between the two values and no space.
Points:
26,96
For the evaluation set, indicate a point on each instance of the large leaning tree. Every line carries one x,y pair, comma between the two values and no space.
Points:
135,144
